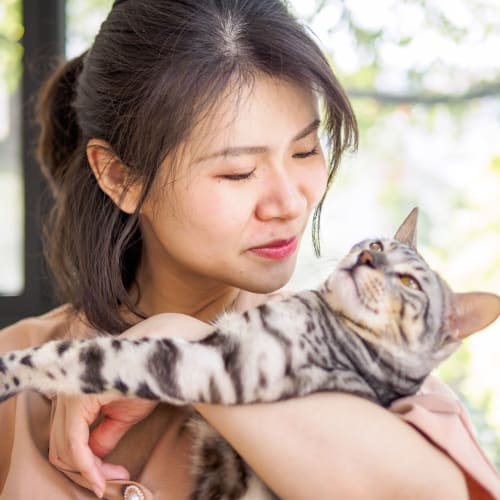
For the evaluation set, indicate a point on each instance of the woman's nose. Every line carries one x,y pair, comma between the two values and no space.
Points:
283,198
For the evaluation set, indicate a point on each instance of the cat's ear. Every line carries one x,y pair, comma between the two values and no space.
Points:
407,232
472,312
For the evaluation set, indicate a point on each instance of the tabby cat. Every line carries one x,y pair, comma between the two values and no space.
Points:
376,328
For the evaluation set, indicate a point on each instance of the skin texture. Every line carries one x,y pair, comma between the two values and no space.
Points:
200,227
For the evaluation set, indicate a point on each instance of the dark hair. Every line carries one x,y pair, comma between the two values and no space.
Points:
154,70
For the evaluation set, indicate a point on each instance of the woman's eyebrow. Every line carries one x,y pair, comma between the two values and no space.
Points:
308,130
252,150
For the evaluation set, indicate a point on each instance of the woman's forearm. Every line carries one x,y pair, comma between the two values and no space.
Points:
329,446
325,445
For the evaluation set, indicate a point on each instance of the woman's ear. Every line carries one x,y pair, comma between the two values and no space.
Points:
113,176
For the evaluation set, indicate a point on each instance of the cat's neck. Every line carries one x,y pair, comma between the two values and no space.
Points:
380,367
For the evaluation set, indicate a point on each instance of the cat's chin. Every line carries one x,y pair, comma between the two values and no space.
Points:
342,293
343,296
340,288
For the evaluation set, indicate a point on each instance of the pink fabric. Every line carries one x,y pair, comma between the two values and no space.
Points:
438,414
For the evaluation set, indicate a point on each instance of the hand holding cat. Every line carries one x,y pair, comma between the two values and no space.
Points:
74,447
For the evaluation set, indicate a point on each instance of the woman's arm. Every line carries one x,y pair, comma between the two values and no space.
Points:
73,446
328,445
323,446
337,446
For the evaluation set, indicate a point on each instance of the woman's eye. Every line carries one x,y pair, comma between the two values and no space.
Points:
307,154
410,282
239,177
376,246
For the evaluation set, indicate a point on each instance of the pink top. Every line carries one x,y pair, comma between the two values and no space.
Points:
439,415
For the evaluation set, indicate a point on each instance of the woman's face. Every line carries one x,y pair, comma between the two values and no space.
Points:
243,190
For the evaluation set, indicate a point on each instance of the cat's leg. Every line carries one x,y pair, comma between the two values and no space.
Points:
254,357
221,369
218,471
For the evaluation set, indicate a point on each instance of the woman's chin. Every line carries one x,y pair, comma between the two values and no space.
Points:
267,283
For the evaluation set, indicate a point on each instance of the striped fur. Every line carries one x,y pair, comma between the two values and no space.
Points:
363,331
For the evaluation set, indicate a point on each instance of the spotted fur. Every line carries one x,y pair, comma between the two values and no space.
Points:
363,331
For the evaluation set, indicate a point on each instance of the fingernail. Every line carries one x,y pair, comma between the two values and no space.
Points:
98,491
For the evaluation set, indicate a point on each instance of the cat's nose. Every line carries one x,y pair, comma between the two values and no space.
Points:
365,258
371,259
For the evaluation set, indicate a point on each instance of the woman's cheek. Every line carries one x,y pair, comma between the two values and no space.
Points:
221,205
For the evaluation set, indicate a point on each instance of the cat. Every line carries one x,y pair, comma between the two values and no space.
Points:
375,328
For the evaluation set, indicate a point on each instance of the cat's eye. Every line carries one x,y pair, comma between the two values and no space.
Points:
376,246
409,282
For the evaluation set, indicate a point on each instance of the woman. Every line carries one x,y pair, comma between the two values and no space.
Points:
183,150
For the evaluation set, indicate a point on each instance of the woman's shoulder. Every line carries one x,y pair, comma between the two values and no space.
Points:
61,322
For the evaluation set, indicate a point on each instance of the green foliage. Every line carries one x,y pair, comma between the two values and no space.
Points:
495,165
456,369
363,78
11,50
81,33
420,40
367,112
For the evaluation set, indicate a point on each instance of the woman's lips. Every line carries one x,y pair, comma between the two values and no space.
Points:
277,250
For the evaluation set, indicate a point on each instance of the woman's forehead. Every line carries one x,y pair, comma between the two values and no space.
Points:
268,111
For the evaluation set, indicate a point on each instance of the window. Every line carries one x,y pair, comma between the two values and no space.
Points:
31,38
11,176
83,18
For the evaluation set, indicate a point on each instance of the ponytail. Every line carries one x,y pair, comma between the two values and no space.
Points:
79,207
60,133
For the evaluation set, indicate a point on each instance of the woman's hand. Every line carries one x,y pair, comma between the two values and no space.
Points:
74,447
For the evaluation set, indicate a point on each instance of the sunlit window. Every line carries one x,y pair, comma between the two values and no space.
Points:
83,18
11,190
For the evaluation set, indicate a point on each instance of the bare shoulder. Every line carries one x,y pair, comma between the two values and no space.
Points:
58,323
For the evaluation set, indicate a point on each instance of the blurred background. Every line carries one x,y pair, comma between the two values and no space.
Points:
424,79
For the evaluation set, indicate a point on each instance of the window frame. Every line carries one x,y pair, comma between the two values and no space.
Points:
44,44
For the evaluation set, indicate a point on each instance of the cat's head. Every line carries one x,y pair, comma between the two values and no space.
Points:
387,293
